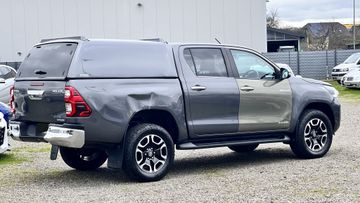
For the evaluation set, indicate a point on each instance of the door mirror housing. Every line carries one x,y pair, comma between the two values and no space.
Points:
2,80
284,73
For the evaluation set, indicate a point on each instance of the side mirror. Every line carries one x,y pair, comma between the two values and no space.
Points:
284,73
2,80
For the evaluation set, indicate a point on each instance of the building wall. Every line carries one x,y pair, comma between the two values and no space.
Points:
24,22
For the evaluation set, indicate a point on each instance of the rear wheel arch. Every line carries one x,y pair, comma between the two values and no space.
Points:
159,117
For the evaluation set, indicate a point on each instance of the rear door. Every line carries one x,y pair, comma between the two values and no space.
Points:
212,94
265,100
40,83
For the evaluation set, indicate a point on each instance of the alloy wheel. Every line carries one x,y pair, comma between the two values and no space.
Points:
315,134
151,153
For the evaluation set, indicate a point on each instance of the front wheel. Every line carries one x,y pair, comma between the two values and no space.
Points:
149,152
83,159
314,135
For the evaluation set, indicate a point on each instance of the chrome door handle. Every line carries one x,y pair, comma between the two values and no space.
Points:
247,88
198,88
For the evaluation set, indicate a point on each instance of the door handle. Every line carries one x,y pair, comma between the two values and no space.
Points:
246,88
198,88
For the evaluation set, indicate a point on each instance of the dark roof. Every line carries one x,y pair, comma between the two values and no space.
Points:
287,32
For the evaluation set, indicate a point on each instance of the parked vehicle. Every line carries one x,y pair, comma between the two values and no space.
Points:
132,102
351,79
7,75
4,144
352,62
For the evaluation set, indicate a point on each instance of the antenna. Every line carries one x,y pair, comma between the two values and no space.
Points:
217,40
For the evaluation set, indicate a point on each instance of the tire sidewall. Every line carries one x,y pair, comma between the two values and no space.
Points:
300,134
71,157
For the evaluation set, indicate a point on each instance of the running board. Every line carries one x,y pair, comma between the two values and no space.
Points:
200,145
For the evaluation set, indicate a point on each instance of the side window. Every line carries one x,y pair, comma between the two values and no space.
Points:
251,66
4,72
189,60
12,74
206,61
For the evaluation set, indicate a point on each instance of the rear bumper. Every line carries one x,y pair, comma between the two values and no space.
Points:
60,135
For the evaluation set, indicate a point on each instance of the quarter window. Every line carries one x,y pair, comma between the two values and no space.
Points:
251,66
206,62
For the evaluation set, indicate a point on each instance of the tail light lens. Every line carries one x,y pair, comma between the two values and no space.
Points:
75,105
12,99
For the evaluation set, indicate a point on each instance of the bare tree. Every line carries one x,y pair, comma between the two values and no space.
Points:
272,19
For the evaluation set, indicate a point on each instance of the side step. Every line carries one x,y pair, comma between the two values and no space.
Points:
211,144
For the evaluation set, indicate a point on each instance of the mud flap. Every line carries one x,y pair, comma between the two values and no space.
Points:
54,152
116,156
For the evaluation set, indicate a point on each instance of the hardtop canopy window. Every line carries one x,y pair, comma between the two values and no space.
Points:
47,60
125,59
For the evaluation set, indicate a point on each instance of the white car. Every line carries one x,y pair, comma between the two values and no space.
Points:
351,63
351,79
288,68
4,144
7,75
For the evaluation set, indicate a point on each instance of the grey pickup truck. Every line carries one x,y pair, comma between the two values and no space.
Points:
131,103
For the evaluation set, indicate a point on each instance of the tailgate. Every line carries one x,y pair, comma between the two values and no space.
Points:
39,101
40,83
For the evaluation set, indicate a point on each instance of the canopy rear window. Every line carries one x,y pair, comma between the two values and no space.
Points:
48,60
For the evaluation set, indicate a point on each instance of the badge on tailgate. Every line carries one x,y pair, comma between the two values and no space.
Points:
35,94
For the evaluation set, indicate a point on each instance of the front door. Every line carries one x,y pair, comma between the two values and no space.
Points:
212,95
265,100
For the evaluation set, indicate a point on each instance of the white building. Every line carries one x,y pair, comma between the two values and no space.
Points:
24,22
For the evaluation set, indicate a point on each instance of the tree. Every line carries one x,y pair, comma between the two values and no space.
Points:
272,19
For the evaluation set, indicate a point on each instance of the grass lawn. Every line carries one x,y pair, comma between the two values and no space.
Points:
346,93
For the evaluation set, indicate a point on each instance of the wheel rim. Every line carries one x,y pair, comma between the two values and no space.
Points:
151,153
315,134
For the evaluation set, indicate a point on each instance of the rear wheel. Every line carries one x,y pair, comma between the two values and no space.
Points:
314,135
244,148
149,152
83,159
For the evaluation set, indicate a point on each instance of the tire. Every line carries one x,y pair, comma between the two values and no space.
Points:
244,148
149,152
83,159
313,136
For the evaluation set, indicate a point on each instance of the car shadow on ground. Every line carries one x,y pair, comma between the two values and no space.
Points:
196,165
182,167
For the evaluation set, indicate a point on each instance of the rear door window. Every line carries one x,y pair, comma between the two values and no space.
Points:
48,60
206,61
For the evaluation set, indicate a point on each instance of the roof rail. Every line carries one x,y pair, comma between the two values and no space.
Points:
155,40
82,38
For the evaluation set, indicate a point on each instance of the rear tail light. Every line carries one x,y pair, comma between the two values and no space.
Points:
75,105
12,99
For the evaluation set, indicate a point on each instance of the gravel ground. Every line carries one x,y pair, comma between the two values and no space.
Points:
270,174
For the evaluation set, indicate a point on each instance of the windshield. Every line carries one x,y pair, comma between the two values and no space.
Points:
47,60
352,59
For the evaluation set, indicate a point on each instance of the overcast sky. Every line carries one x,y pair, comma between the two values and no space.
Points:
299,12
